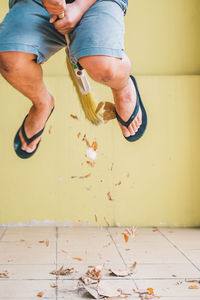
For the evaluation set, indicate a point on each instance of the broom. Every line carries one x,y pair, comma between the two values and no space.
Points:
77,75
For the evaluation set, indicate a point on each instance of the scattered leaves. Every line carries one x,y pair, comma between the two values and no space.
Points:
94,145
95,272
74,116
151,291
129,233
63,271
86,140
85,176
116,184
90,163
40,294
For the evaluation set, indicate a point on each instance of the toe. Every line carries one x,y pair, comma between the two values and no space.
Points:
23,144
31,147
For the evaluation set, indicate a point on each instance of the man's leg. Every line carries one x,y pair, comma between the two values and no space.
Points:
115,73
24,74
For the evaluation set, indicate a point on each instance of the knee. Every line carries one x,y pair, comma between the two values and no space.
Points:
101,69
11,62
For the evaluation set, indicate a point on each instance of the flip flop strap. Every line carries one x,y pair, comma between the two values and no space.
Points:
30,140
132,117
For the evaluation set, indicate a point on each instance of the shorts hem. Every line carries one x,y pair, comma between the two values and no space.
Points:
96,51
11,47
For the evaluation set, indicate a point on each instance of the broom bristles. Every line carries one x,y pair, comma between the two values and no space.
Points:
87,102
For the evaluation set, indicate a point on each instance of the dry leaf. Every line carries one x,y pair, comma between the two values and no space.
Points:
63,271
78,135
77,258
47,243
116,184
193,287
91,163
99,107
41,242
109,196
4,274
109,106
86,176
87,280
108,116
85,139
107,290
74,117
151,291
92,291
106,221
53,285
96,219
126,237
193,280
95,272
123,272
155,229
40,294
94,145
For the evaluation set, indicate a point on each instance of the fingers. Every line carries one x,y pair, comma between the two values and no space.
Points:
53,18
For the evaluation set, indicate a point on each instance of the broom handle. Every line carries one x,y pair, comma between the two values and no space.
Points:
66,35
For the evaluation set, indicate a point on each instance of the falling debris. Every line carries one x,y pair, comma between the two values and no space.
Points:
150,291
40,294
116,184
86,176
74,116
129,233
91,153
123,272
155,229
78,135
4,274
148,294
90,163
86,140
109,196
95,272
96,219
63,271
77,258
99,107
106,221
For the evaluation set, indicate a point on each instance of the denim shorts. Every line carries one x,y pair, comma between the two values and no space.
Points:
26,28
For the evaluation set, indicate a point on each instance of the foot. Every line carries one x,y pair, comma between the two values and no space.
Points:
35,121
125,102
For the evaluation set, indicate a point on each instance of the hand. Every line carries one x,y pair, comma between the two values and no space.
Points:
54,7
72,15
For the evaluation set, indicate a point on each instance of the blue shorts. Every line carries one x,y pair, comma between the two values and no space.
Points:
26,28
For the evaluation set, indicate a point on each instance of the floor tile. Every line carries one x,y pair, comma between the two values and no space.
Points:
169,288
166,270
27,253
2,230
25,272
18,289
14,234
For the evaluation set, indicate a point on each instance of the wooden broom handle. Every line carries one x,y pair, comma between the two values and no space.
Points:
66,35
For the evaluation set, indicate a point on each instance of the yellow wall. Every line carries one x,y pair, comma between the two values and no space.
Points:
162,40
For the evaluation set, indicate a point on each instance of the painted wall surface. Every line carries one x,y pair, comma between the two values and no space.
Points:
159,174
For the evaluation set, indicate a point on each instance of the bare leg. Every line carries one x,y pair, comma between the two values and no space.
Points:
115,73
23,73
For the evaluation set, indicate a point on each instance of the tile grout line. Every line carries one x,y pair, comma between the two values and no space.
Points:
56,262
120,254
178,250
3,233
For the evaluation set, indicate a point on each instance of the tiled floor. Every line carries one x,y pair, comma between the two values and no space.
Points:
167,258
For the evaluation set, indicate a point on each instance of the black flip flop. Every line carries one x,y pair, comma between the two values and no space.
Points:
17,142
138,105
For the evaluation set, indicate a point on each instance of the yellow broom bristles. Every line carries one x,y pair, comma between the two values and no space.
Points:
87,102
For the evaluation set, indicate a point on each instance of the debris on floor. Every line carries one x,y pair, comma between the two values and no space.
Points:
63,271
4,274
123,272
